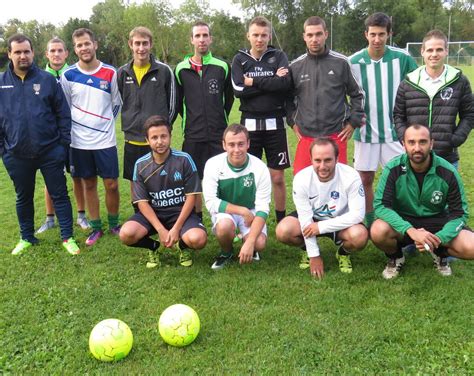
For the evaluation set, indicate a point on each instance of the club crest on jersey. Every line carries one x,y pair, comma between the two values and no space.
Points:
334,195
37,88
447,93
361,191
436,197
213,86
104,85
248,181
272,60
177,176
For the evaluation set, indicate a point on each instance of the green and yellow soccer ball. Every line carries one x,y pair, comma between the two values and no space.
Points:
179,325
110,340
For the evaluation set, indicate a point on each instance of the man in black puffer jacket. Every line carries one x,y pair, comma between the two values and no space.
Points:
434,95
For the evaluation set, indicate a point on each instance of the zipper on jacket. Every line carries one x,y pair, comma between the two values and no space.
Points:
430,107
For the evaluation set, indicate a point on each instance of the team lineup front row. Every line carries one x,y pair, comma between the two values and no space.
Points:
417,192
46,117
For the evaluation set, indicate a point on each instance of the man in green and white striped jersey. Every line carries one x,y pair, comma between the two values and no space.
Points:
379,69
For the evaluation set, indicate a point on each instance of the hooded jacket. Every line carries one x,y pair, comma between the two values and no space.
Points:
413,105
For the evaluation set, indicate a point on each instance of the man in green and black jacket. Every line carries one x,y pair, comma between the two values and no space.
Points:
205,99
420,200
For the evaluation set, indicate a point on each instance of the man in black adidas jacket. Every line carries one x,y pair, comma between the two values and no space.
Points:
322,80
260,79
147,87
434,95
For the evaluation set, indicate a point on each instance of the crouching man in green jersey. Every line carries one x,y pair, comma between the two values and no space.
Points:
237,190
420,200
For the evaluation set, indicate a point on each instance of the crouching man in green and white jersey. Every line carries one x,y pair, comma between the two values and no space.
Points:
237,192
420,200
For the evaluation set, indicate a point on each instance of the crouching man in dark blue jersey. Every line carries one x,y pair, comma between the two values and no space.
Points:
165,186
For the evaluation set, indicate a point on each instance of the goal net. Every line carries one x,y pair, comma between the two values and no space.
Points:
460,53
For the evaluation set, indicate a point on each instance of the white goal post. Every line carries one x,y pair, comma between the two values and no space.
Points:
460,53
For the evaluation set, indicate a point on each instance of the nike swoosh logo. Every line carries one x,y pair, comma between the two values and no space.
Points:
313,197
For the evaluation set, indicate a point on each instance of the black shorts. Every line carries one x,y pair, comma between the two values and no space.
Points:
432,224
131,153
193,221
334,236
201,151
275,144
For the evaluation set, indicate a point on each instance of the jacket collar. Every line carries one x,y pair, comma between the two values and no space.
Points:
451,74
32,71
153,62
321,55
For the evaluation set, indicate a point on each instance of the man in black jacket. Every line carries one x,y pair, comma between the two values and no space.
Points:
205,100
434,95
35,133
260,79
147,87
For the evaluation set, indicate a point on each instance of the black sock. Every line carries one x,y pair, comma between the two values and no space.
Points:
182,244
342,251
280,214
146,242
303,247
441,251
398,254
50,217
199,214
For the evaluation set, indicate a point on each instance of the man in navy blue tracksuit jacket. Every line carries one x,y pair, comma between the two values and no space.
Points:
35,133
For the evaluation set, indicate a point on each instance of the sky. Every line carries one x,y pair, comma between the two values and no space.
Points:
59,11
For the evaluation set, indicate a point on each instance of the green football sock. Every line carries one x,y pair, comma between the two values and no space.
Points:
96,224
113,220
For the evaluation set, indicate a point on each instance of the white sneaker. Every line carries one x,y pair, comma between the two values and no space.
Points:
83,223
442,265
392,269
48,224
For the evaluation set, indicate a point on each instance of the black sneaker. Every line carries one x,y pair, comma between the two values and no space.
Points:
256,256
221,261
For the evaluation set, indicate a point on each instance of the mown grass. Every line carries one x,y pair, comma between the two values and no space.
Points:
266,318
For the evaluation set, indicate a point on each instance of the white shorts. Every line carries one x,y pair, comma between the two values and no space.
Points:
238,222
367,157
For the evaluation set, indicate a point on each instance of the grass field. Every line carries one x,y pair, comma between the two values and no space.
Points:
265,318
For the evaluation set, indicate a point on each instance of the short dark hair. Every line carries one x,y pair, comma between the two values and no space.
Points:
18,38
321,141
236,129
435,34
417,126
56,40
314,21
378,19
156,121
261,21
200,23
83,31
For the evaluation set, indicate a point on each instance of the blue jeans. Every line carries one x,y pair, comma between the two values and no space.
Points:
22,171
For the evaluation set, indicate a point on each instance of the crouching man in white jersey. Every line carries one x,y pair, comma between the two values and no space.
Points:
329,200
237,190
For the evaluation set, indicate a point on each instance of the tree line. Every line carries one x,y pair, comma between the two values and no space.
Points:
112,20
